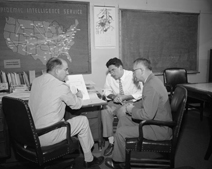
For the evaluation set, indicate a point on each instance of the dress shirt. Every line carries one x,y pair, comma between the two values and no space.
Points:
48,99
112,86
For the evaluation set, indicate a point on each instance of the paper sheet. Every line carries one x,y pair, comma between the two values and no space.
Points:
77,82
94,100
31,76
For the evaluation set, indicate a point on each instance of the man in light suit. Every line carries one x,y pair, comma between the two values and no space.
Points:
119,88
48,99
155,105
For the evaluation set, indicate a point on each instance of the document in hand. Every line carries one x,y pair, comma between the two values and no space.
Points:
76,82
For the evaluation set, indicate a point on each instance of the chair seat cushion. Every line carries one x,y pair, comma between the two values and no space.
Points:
148,145
49,152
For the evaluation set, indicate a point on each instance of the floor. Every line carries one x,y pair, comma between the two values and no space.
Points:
191,149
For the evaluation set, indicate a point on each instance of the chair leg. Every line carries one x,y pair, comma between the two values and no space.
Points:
127,161
209,150
172,159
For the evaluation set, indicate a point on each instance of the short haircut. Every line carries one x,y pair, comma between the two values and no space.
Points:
144,61
52,63
114,61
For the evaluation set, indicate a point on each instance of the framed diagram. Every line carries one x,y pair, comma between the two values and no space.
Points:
34,31
104,26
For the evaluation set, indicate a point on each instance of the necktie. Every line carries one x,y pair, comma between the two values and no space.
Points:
121,91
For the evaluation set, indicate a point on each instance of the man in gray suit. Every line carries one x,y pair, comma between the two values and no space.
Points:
155,105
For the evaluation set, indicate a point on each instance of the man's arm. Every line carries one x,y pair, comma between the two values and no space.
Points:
150,106
125,97
74,101
137,94
108,91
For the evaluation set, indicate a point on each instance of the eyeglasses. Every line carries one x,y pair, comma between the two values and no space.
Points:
137,69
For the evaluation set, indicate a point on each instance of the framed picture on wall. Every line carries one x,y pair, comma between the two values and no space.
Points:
34,31
104,27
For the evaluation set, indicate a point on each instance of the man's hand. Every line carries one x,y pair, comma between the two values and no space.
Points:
119,99
79,94
111,96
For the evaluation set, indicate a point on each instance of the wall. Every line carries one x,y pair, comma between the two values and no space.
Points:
100,56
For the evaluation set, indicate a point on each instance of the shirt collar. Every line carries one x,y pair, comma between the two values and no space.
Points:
123,76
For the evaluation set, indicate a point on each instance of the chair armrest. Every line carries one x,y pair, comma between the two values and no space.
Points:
170,124
55,126
169,88
158,123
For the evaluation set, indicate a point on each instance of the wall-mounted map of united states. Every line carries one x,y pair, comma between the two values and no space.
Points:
41,40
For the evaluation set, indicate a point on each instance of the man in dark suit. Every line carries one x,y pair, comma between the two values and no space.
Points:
155,105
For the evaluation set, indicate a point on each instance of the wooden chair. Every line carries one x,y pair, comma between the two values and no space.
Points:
25,141
167,148
174,76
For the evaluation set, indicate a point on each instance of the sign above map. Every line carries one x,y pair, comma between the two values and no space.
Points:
33,32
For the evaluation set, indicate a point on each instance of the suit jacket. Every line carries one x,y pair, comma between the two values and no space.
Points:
155,106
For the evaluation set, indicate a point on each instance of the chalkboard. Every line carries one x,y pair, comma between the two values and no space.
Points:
32,32
168,39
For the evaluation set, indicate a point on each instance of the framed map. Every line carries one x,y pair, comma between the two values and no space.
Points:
33,32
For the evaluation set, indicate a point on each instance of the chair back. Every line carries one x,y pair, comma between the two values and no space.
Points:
25,139
178,104
21,125
174,76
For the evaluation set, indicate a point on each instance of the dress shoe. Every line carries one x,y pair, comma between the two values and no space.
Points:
96,161
108,151
114,165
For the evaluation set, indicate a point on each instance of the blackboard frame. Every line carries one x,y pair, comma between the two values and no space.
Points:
131,35
64,15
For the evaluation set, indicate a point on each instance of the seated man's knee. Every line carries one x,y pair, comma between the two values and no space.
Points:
107,112
121,112
85,120
122,121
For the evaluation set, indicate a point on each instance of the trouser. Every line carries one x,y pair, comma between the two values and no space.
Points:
107,115
125,128
79,126
128,128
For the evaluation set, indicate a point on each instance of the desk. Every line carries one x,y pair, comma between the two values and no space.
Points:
92,110
202,91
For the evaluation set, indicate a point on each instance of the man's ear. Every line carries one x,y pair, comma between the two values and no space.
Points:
56,71
121,67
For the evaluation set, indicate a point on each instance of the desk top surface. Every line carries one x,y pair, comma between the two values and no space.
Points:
93,101
203,87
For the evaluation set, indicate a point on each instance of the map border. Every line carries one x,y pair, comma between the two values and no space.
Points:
81,66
